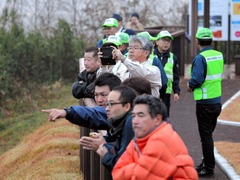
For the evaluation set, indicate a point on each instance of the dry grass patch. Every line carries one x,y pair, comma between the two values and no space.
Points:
231,112
52,152
230,151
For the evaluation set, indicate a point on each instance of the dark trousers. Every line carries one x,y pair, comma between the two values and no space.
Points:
207,119
165,98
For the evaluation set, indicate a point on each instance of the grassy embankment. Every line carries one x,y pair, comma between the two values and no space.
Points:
33,148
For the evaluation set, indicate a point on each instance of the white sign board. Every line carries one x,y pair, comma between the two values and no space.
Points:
218,20
235,20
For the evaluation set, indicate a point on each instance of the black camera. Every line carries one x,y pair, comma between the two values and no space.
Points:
107,58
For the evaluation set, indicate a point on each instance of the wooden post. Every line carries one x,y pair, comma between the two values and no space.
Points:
193,47
206,13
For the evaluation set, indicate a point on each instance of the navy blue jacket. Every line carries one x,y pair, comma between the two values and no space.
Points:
119,133
117,140
90,117
99,43
157,62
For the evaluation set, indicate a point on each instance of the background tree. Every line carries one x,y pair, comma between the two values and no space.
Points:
42,40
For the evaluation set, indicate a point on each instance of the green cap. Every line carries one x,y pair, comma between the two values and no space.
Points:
147,35
124,37
204,33
163,34
112,39
110,22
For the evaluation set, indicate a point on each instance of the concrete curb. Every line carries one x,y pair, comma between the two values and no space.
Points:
231,99
221,161
230,123
225,166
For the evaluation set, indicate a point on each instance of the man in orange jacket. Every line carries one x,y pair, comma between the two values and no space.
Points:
157,151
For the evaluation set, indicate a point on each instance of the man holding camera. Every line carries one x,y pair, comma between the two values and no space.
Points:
108,62
137,61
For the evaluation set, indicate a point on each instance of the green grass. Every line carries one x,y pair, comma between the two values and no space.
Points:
14,128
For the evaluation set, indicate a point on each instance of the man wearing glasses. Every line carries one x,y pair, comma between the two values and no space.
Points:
90,117
116,111
163,57
137,63
119,107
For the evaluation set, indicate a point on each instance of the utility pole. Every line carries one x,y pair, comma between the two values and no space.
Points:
194,13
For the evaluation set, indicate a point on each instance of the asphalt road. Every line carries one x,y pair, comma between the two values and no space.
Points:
183,118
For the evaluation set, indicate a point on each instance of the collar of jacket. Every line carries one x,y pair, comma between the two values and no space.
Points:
94,72
117,124
163,55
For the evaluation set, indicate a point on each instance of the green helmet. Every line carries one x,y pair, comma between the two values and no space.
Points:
112,39
147,35
163,34
124,37
110,22
204,33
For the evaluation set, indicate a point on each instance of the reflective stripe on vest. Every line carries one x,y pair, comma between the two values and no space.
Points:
211,88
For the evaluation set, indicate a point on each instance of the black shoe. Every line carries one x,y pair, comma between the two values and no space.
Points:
199,167
206,173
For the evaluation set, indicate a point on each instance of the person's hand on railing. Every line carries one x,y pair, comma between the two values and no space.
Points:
93,142
102,150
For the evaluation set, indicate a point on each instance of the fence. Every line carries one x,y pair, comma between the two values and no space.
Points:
90,163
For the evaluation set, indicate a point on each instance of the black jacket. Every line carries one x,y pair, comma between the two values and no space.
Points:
117,140
83,87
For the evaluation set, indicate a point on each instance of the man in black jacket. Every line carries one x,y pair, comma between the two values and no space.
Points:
171,67
83,87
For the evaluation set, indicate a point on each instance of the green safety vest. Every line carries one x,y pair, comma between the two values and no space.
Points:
211,87
150,58
168,68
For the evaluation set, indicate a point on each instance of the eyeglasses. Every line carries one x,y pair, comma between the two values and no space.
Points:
165,40
134,48
111,104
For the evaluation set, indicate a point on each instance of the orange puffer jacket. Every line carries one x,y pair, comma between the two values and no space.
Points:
160,155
